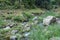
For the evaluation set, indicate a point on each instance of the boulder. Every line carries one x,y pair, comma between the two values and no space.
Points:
48,20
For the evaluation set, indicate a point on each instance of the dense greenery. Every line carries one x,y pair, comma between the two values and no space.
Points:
30,21
15,4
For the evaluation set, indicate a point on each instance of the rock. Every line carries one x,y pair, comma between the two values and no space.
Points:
55,38
24,23
27,27
14,31
58,20
35,18
48,20
13,38
26,34
11,25
7,28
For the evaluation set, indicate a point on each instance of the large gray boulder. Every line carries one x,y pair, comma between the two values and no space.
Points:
48,20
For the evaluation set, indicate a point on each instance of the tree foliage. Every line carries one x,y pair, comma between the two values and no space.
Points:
4,4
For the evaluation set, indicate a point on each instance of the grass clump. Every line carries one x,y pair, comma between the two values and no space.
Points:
36,34
19,18
2,23
43,33
4,34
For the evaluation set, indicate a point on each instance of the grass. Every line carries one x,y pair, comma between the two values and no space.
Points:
38,32
51,31
2,23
